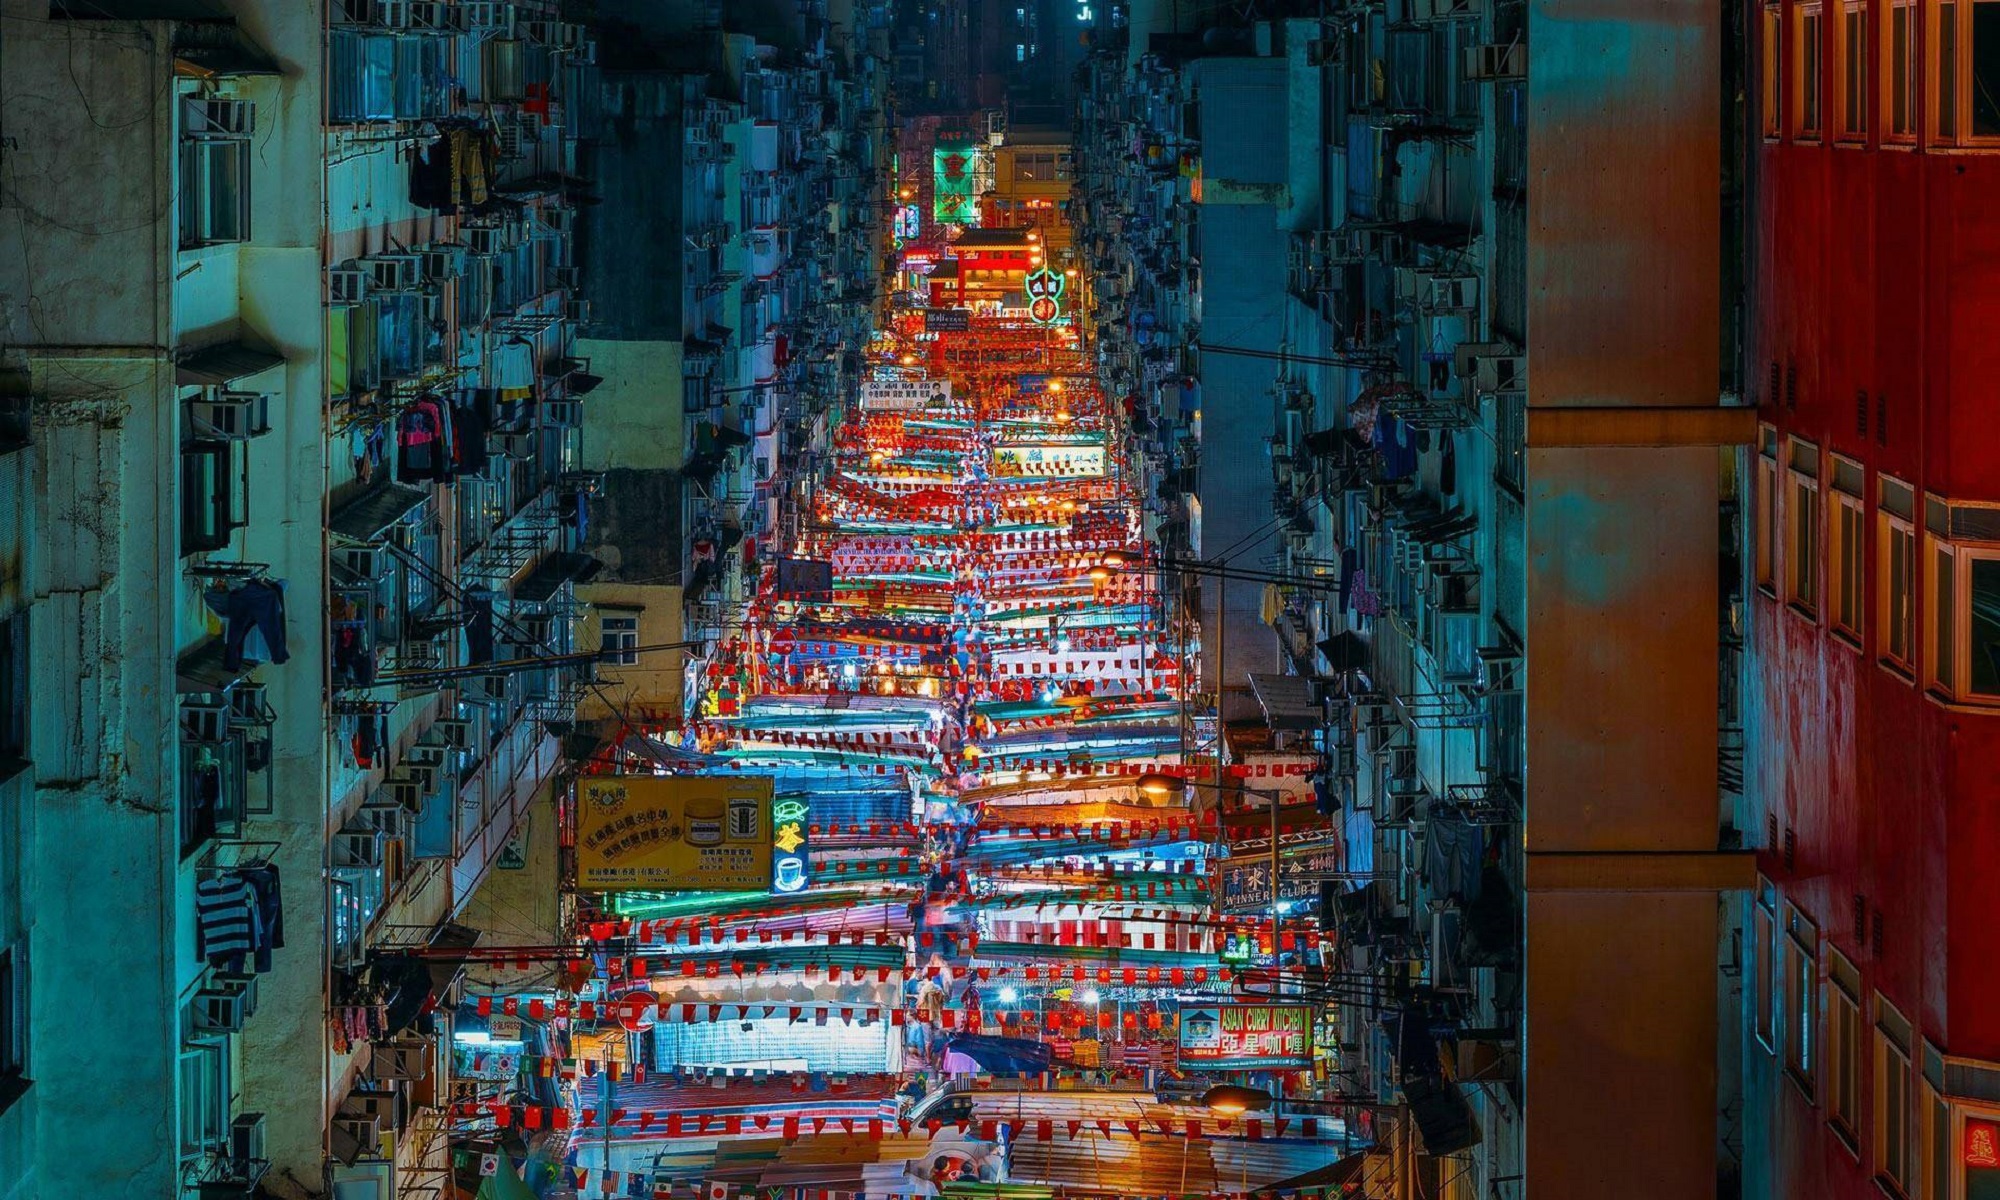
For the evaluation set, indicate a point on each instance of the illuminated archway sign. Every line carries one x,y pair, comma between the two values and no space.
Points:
1045,289
788,847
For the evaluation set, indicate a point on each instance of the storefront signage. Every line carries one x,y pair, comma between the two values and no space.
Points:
947,320
1982,1143
1045,289
788,847
1244,884
904,395
673,833
1064,460
1244,1036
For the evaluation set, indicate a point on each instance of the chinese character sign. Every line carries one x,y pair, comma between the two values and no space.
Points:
1243,1036
788,846
673,833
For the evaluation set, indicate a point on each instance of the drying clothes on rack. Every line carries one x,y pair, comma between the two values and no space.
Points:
239,912
369,447
450,172
511,369
478,627
258,604
353,653
1396,446
573,510
371,737
423,441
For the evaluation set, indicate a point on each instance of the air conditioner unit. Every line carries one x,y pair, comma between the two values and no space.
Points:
231,416
515,141
566,414
246,1138
347,285
576,311
487,239
1446,920
217,118
423,775
204,719
1444,10
393,14
219,1010
427,753
486,15
394,1061
457,731
1500,373
571,36
1453,293
367,562
1380,244
515,444
357,848
377,1102
443,262
395,272
436,16
248,703
1489,63
541,32
364,1132
1322,51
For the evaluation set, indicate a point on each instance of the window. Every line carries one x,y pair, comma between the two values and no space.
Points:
1895,1158
1896,548
1801,997
208,496
1763,923
1853,82
1982,620
1802,533
1766,514
213,172
1771,71
1965,56
1937,1140
1941,617
214,791
13,1024
1843,1047
621,641
204,1096
1846,553
1899,72
13,691
1807,48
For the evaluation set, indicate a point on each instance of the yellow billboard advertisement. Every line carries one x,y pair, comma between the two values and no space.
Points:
698,833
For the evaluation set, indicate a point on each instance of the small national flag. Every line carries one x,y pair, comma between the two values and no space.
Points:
489,1164
719,1190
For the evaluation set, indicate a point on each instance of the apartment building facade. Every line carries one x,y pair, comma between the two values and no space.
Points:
293,472
1514,711
1869,1039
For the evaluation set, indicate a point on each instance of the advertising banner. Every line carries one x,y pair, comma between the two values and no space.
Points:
947,320
1086,461
904,395
698,833
1244,1036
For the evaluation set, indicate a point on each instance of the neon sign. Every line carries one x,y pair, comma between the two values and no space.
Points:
1045,289
788,847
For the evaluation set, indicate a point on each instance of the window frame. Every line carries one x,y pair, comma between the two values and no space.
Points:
1847,556
1766,517
1910,64
1801,997
1941,616
1802,517
1771,70
622,653
1764,946
1890,527
196,175
227,492
1851,81
1969,554
15,1034
1949,28
213,1103
1840,1043
1894,1076
1809,71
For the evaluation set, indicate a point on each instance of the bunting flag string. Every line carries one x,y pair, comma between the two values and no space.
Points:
686,1123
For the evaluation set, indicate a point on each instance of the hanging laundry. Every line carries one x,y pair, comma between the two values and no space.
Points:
511,370
423,441
225,916
260,605
469,428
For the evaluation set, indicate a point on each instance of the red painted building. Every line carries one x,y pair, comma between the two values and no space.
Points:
1872,981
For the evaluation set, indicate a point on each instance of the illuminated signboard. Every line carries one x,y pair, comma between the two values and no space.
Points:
904,395
909,222
1039,460
1045,289
1244,884
1244,1036
673,833
952,195
788,847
